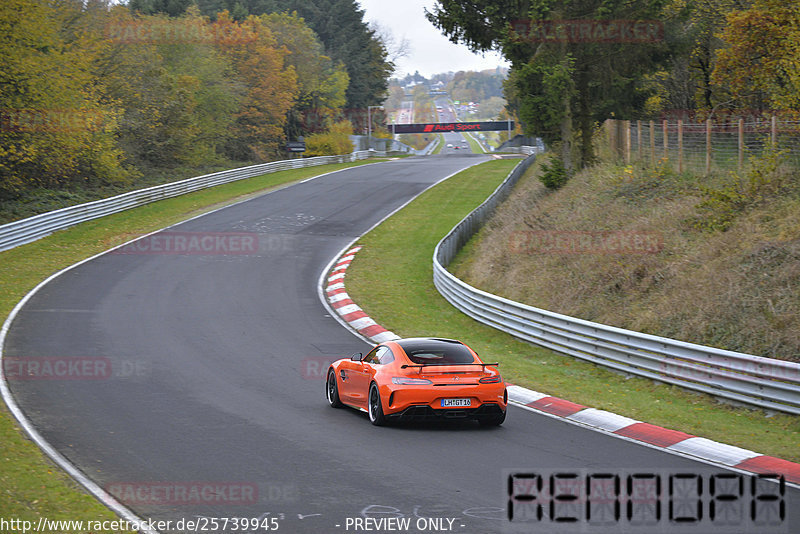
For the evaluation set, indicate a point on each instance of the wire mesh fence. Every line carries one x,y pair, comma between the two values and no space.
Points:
704,146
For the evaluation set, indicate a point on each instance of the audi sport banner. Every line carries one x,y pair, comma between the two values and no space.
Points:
442,127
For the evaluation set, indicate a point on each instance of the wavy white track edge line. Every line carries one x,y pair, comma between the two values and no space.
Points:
98,492
94,489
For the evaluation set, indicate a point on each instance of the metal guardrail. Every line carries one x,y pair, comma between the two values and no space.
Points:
27,230
428,150
527,150
742,378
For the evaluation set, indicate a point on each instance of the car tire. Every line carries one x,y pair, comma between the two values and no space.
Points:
332,390
375,409
493,420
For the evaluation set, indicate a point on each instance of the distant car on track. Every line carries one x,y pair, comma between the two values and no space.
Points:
419,379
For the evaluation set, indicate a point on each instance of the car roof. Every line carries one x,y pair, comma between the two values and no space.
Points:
412,345
425,342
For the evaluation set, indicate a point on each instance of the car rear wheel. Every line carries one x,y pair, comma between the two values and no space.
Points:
376,416
493,420
332,390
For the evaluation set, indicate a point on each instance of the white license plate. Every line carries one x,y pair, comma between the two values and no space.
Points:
455,403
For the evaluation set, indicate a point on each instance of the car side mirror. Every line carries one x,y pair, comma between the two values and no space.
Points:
356,357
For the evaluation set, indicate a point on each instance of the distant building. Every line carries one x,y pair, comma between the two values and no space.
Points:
409,87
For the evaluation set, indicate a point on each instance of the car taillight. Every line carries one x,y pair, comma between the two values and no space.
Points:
490,379
407,381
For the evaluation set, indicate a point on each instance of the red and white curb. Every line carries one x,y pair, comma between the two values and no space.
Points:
342,304
611,423
656,436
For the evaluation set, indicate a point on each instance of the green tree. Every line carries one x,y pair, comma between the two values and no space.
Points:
173,8
576,81
685,81
322,84
340,26
396,97
475,86
492,107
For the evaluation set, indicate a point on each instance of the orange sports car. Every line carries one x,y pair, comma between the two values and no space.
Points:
419,379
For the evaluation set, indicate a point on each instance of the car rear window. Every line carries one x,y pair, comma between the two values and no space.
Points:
437,352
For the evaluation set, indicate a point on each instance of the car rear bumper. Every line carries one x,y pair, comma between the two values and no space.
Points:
424,402
426,413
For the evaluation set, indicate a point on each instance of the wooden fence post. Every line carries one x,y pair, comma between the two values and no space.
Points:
680,145
617,139
741,143
639,140
708,146
627,135
665,127
773,131
652,143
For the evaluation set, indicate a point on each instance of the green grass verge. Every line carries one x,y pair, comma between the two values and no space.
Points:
474,145
30,485
391,279
440,146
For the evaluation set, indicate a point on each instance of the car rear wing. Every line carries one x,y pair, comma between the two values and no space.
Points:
421,365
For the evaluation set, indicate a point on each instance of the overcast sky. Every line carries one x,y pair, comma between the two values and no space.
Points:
431,52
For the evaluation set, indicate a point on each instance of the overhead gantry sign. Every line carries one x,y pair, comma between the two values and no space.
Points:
443,127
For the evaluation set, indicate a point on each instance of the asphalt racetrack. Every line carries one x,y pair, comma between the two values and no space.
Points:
205,393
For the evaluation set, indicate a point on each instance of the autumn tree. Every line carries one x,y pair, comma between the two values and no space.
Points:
340,26
333,142
322,84
271,86
177,91
760,64
53,130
